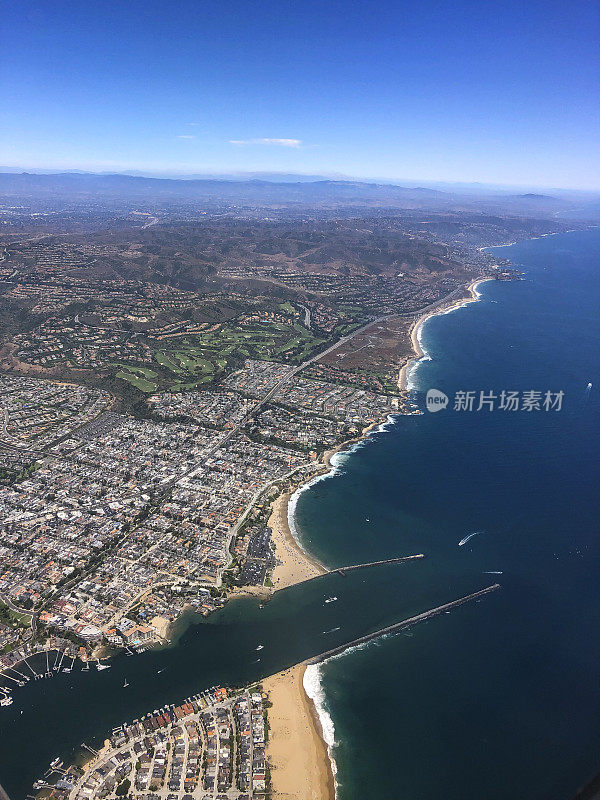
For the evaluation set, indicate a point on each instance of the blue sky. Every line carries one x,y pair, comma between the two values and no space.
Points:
498,92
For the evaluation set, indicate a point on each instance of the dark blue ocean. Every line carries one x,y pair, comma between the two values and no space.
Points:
501,699
497,700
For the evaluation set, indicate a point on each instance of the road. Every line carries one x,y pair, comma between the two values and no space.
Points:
222,440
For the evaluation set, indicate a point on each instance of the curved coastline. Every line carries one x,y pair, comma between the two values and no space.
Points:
407,371
309,688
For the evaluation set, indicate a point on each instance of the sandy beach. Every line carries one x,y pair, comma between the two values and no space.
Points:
296,565
471,297
300,766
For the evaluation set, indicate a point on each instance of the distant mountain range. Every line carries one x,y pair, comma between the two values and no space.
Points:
287,190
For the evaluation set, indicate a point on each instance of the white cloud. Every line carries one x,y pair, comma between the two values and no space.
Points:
276,142
186,136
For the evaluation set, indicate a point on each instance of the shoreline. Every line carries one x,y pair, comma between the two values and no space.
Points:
415,332
297,564
301,765
290,543
541,236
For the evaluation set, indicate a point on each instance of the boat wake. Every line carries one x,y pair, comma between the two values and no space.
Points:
470,536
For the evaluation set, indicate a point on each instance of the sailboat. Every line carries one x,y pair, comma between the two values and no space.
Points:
126,684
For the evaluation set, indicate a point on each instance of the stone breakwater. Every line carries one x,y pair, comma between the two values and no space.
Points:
399,626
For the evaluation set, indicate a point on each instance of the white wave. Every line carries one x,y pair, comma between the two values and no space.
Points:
410,379
291,512
425,354
411,371
390,420
476,291
336,461
454,308
354,649
313,686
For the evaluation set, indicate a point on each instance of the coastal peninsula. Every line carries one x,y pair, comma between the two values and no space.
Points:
300,765
270,740
258,742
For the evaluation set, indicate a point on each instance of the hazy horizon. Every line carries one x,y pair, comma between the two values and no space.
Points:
504,94
285,176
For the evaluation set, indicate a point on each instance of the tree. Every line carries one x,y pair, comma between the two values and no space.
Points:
123,788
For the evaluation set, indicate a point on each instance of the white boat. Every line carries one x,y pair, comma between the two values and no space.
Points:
125,685
260,647
331,600
56,764
6,701
100,666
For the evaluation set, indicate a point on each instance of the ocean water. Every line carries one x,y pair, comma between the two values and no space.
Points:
499,699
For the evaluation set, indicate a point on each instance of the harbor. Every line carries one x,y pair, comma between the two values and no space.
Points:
236,646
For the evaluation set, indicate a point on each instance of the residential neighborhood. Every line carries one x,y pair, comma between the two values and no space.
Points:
210,746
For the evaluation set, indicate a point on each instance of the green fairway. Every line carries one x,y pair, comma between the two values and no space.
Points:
164,360
136,380
202,358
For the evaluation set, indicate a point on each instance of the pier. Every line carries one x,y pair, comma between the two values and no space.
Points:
399,560
406,623
344,570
